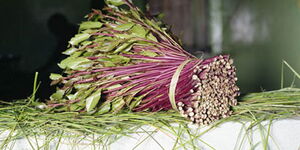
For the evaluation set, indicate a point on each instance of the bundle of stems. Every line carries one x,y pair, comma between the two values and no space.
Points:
125,71
123,59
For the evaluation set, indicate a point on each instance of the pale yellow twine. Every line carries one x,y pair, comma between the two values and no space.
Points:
173,83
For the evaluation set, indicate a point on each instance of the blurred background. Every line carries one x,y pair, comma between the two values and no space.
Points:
257,34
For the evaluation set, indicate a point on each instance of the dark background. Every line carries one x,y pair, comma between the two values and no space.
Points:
258,35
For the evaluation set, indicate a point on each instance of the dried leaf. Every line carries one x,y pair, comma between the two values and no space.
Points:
148,53
124,27
86,43
104,108
138,31
57,95
79,38
54,76
90,25
93,100
115,2
119,59
109,64
117,104
124,47
151,37
70,51
82,86
72,62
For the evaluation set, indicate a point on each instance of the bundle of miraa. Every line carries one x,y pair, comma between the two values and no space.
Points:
122,59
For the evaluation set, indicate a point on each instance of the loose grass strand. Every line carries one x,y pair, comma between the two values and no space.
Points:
24,119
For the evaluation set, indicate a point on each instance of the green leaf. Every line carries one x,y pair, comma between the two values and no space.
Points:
90,25
81,94
79,38
85,93
90,31
86,43
119,59
134,104
83,66
117,104
109,64
139,31
70,51
57,95
130,97
113,60
71,96
135,14
124,27
151,37
100,39
64,63
54,76
82,86
136,101
93,100
77,54
153,24
115,2
72,62
75,107
110,46
104,108
124,47
124,36
148,53
86,54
